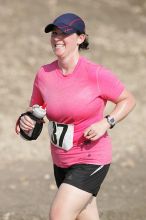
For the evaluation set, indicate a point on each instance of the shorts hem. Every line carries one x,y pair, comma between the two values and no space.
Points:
67,182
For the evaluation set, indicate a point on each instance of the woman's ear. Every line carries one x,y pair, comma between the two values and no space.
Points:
81,38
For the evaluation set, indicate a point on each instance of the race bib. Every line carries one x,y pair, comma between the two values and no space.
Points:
61,135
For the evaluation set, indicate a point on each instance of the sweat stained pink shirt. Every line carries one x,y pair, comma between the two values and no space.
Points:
79,99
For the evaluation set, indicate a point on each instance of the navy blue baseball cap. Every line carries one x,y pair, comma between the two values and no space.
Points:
68,23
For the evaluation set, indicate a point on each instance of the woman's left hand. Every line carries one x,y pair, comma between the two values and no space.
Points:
96,130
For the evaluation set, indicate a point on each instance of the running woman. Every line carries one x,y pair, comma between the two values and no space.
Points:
76,91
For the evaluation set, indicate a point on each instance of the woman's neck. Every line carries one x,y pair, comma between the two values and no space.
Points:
68,64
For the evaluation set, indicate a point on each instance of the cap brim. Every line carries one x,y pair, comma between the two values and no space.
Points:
49,28
65,29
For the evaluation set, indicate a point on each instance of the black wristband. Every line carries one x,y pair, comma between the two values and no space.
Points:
36,130
111,121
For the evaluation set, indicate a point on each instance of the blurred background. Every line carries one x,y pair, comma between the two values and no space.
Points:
117,38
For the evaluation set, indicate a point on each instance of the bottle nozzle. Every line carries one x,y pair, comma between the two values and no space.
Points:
44,106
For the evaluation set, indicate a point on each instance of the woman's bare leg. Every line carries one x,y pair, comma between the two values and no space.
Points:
90,212
68,203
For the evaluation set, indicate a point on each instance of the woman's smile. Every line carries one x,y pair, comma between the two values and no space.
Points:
59,45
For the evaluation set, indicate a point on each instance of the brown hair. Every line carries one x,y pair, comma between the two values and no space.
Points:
85,44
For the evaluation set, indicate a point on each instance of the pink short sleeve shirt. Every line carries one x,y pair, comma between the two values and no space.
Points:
78,98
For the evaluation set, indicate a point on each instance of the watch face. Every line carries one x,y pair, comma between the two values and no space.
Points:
112,120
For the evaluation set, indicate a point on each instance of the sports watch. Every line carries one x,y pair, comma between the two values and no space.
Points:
111,121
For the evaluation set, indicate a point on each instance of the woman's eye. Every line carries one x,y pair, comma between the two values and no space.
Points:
54,34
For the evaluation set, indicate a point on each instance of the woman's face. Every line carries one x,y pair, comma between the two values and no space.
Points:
64,45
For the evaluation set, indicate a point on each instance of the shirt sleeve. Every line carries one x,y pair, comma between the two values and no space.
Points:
36,97
109,85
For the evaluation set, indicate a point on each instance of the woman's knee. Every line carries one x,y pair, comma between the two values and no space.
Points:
53,214
59,213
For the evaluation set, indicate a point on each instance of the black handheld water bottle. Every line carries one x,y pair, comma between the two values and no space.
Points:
37,114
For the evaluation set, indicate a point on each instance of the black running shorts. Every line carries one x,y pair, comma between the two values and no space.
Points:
87,177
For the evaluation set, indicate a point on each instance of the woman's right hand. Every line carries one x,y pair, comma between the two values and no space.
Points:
24,122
